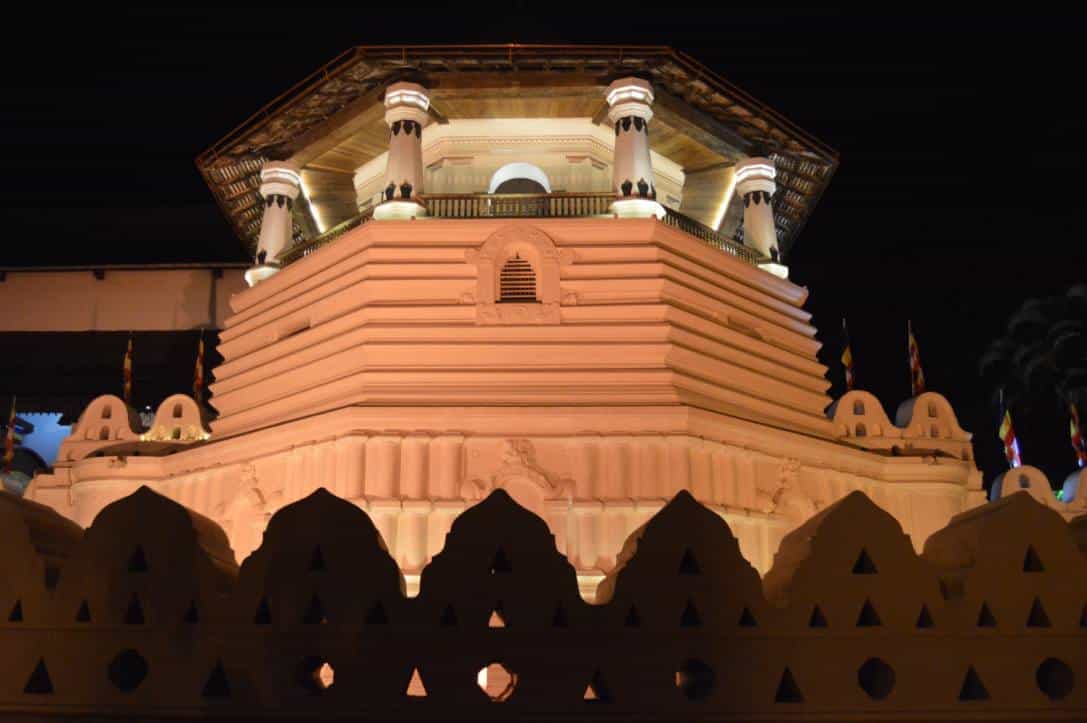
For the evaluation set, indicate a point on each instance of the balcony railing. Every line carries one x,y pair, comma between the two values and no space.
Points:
529,205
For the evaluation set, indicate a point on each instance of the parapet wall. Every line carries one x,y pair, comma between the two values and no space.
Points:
146,614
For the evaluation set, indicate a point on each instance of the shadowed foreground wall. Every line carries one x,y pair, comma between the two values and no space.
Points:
145,614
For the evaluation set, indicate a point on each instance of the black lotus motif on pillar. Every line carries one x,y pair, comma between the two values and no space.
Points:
396,127
643,188
626,123
626,187
390,191
405,189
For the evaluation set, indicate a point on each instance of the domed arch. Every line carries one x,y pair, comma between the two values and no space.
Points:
519,171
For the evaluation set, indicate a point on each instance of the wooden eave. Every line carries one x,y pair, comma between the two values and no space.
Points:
700,118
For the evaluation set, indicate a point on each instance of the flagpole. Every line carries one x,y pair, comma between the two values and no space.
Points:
9,440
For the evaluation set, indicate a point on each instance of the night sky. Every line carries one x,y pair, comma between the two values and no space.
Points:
957,199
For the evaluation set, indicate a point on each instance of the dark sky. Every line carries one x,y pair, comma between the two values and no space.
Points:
957,199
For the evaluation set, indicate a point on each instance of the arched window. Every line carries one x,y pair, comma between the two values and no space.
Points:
932,410
861,430
517,282
858,408
935,431
177,411
519,178
107,412
103,433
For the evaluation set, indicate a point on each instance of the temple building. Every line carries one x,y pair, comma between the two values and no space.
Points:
557,271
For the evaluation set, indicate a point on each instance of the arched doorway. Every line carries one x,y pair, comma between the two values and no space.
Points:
519,178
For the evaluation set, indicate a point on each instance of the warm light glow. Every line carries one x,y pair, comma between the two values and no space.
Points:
637,208
630,92
398,210
755,170
317,220
726,199
407,97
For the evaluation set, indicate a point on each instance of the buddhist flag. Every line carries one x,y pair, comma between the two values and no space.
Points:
1007,436
128,371
917,376
9,440
1076,431
847,358
198,372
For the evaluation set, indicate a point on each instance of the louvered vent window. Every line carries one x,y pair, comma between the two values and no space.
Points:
517,283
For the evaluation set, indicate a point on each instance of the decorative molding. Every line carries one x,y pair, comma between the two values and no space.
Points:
539,250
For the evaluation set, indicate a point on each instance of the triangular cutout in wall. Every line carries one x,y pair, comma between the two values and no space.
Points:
788,691
868,617
597,690
1038,617
217,685
864,564
688,565
137,561
415,688
134,613
83,615
1031,561
924,618
985,617
690,617
497,619
972,687
817,620
16,614
39,682
747,620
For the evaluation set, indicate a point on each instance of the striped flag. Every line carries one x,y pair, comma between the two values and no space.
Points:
1007,436
1078,443
128,371
198,372
9,440
847,357
917,376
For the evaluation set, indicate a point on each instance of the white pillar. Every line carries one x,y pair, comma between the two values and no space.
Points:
755,185
406,107
280,184
629,101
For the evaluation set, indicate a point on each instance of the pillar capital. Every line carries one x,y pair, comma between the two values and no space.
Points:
406,101
630,98
279,178
755,174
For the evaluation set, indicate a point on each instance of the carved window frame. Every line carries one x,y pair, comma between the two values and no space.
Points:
538,249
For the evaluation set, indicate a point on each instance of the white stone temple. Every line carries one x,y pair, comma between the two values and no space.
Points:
557,271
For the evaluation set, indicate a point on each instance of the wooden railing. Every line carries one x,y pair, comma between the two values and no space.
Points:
715,239
529,205
305,248
517,205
